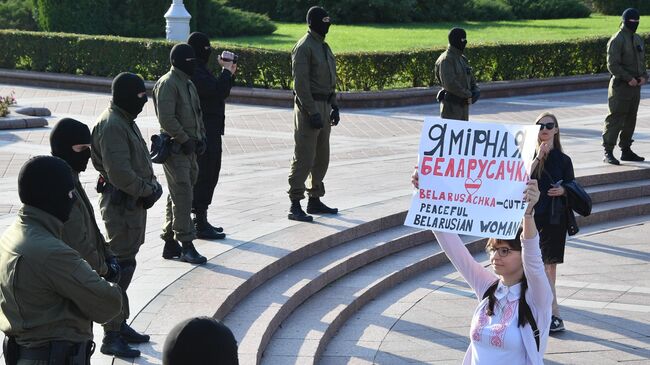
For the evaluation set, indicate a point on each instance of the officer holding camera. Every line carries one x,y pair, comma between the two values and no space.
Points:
213,92
454,74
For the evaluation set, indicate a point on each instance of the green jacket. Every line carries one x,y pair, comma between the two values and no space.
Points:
120,154
313,68
47,291
626,56
454,73
178,106
82,233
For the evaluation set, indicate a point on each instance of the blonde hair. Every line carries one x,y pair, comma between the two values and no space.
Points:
556,141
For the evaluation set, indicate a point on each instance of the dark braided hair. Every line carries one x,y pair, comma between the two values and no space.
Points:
515,244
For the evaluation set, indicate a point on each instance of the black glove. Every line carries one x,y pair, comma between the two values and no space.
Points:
476,94
189,147
151,199
201,146
113,273
315,121
335,117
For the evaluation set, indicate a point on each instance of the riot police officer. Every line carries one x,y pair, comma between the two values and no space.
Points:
452,70
179,113
626,63
128,188
49,295
315,110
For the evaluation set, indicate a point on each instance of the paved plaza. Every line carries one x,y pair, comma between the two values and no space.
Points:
604,287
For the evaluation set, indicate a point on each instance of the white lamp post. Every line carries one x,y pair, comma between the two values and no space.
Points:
178,22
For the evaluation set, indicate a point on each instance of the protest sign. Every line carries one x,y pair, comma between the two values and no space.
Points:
472,177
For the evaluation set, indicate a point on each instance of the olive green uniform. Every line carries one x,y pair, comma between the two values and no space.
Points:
314,73
179,113
81,232
48,292
454,74
625,61
120,155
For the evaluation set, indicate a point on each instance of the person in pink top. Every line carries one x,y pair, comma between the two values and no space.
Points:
514,300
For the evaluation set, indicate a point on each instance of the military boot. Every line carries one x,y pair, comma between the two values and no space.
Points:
205,230
628,155
190,255
609,158
297,214
172,249
132,336
114,344
315,206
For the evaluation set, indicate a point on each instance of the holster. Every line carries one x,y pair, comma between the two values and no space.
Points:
69,353
455,99
10,350
116,196
161,147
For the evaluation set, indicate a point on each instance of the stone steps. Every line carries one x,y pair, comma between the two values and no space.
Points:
304,335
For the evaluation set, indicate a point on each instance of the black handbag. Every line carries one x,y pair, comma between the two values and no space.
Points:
161,147
578,199
571,224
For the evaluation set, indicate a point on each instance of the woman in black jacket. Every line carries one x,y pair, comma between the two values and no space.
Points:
551,168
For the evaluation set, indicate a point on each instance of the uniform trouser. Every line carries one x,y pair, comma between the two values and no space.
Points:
620,123
181,172
449,110
311,154
209,167
125,229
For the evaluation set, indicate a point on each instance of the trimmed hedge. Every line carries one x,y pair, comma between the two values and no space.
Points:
17,14
108,56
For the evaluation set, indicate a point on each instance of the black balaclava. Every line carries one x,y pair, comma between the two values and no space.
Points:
318,20
67,133
458,38
44,182
183,57
631,14
199,41
200,341
126,87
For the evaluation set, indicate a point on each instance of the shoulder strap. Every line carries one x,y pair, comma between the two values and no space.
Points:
531,320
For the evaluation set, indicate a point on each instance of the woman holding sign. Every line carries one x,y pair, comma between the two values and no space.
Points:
551,168
514,300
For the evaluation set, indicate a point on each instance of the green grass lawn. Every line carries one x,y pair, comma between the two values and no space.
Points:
392,37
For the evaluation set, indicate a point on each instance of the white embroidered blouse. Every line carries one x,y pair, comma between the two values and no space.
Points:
498,339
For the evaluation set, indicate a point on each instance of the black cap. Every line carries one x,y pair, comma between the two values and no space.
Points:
200,341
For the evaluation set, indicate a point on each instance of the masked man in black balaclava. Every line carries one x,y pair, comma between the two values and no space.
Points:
459,88
178,108
70,140
315,111
48,292
200,341
213,92
626,63
128,188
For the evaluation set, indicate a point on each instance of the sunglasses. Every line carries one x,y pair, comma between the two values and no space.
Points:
502,251
548,126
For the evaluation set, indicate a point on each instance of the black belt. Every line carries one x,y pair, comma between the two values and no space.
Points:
321,97
38,353
449,97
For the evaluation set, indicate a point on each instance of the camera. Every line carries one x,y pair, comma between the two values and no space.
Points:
228,56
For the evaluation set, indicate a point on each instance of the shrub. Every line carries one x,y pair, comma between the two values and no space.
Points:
440,10
5,103
74,16
108,56
215,19
17,14
616,7
267,7
490,10
549,9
